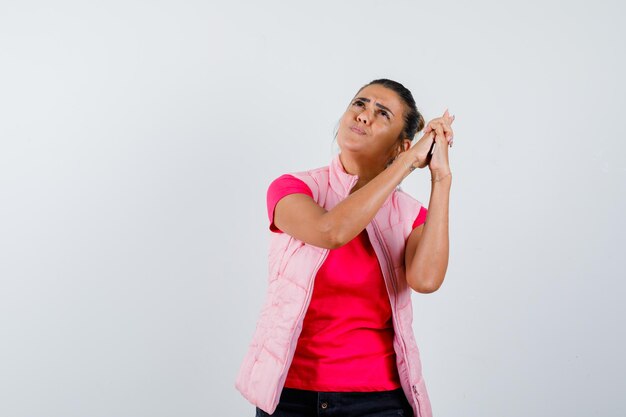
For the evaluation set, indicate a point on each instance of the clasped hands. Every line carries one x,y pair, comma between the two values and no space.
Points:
432,148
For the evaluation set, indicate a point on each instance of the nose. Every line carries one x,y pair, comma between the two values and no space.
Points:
363,117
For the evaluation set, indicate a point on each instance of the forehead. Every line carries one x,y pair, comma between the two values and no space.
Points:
383,95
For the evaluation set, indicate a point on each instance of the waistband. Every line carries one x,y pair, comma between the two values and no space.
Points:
307,396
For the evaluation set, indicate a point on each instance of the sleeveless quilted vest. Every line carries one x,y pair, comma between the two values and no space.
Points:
293,265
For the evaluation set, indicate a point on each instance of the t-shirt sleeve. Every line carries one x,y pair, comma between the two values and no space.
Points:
421,217
284,185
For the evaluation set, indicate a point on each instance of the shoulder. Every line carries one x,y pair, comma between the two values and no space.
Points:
316,179
409,209
406,201
315,173
310,181
285,180
286,184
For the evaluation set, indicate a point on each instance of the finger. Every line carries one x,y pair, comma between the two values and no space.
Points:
448,132
431,125
437,143
441,141
437,121
443,132
445,120
448,116
440,130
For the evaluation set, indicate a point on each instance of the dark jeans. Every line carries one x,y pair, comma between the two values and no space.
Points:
302,403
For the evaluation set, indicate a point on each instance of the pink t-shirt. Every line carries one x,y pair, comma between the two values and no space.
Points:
346,342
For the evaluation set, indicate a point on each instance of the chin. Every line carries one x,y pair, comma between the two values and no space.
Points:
350,138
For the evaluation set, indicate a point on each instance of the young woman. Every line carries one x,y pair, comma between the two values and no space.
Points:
335,336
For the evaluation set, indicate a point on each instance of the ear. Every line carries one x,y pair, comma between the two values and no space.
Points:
404,145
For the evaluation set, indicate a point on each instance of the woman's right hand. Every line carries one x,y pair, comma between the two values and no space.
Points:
418,155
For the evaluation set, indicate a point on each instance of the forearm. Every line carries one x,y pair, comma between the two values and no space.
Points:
430,261
350,216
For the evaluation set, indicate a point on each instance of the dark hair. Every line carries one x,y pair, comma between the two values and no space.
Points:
413,119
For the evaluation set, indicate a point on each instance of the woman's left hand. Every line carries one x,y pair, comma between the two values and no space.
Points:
439,164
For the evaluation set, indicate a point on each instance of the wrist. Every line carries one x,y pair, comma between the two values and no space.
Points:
406,163
440,175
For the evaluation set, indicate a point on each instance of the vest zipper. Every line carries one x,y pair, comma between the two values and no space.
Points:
292,345
395,315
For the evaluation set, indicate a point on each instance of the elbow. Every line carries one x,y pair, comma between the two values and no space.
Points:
424,286
336,239
331,235
428,289
424,289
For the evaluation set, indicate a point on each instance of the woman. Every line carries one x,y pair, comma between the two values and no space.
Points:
334,336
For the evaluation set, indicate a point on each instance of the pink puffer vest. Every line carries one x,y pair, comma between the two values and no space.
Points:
293,265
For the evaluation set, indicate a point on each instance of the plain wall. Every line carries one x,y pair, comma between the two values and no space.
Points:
137,141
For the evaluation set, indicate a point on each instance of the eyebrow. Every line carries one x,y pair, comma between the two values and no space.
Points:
377,104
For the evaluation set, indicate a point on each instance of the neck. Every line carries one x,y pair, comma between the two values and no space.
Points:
366,170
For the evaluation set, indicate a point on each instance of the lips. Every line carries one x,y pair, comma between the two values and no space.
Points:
357,130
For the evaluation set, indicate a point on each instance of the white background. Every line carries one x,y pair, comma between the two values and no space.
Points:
137,141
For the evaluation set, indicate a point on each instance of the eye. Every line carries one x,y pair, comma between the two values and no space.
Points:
383,112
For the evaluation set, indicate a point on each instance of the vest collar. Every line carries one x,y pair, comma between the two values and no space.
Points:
342,182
